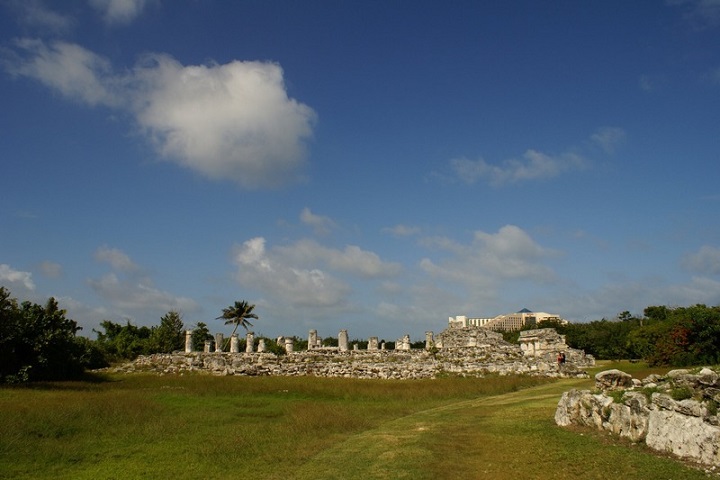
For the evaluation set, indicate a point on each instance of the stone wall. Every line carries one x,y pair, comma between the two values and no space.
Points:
675,413
468,351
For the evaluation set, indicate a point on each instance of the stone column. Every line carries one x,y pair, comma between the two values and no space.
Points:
372,344
289,345
428,340
343,341
234,344
312,339
208,344
188,341
219,338
249,342
261,345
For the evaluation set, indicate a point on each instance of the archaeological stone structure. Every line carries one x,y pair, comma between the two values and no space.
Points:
675,413
465,351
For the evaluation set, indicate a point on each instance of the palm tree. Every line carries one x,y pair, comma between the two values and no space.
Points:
238,314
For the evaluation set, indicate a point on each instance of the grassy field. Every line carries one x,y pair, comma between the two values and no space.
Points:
196,426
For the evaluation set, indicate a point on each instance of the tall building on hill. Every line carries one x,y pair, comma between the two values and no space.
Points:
509,321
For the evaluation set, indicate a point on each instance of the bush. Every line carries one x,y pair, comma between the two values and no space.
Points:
37,342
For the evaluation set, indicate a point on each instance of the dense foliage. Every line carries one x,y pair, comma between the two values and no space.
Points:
677,336
39,343
125,342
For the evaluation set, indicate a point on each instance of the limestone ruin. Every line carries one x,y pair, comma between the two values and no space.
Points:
466,351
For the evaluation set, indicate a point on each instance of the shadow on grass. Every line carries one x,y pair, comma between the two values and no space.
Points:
82,382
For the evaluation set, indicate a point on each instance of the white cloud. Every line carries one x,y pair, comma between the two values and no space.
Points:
534,165
51,269
14,279
320,224
509,254
116,258
352,259
233,121
705,261
608,138
139,296
402,230
119,11
272,274
131,293
68,68
34,14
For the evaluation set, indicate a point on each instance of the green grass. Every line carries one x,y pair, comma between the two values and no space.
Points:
196,426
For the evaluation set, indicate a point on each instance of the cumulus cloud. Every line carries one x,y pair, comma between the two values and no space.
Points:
13,279
534,165
116,258
608,138
290,284
509,254
321,225
119,11
306,274
230,121
352,259
705,261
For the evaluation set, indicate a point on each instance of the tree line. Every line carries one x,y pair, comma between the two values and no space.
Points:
38,342
662,336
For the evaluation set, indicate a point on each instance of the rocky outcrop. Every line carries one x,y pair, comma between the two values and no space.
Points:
675,413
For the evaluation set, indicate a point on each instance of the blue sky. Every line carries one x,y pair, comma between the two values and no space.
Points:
376,166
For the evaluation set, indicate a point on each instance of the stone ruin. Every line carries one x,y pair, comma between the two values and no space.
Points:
546,343
675,413
466,351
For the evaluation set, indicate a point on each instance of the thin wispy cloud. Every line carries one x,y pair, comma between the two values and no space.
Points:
131,296
609,138
401,230
117,259
128,290
120,12
533,165
700,14
322,225
704,261
51,269
35,14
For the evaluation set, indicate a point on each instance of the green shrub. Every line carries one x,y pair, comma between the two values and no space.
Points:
681,393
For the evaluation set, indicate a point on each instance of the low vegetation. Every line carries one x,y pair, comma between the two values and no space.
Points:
199,426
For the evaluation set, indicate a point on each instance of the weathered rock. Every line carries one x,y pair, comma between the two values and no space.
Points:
613,379
685,436
685,428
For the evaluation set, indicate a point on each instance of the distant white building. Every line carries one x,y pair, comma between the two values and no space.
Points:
510,321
